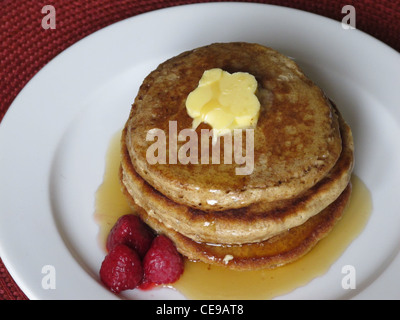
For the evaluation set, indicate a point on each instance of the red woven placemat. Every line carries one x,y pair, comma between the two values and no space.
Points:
26,47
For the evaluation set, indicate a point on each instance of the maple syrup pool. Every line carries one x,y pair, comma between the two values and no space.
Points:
204,281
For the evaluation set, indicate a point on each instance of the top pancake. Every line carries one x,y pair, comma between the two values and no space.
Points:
296,141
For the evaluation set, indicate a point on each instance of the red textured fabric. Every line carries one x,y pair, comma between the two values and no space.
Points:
25,47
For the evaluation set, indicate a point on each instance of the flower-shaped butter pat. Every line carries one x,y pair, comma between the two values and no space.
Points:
224,101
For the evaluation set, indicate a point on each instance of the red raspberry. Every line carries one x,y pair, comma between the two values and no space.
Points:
162,264
131,231
121,269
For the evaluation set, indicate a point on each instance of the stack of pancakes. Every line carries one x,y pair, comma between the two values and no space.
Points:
303,159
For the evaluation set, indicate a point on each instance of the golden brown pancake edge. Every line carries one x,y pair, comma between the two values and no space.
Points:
253,223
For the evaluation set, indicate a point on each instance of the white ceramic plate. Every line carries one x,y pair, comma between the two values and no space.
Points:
54,138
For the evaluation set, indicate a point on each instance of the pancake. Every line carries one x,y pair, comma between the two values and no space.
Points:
296,140
253,223
279,250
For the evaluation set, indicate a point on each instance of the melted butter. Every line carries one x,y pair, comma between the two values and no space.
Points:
204,281
224,101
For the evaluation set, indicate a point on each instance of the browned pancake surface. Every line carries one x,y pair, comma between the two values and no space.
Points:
297,139
252,223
